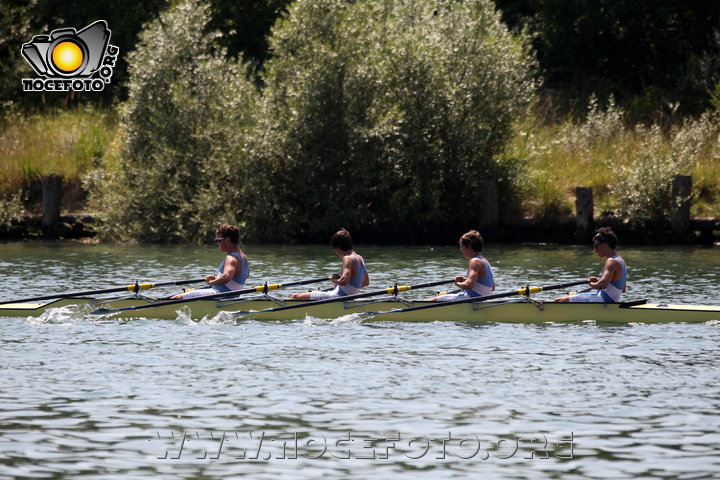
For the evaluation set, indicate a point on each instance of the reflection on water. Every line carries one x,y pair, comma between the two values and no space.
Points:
340,399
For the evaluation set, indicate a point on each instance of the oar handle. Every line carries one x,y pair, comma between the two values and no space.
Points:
259,289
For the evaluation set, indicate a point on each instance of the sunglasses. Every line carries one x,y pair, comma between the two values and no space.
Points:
596,245
218,241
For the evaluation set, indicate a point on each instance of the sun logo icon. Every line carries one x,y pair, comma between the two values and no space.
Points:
67,56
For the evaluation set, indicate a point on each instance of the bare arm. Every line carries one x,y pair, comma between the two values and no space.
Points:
347,271
611,271
229,272
476,270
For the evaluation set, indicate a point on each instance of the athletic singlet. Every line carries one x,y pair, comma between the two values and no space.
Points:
238,281
483,286
356,282
613,292
610,294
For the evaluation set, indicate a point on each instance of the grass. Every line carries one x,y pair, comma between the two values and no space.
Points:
67,143
629,168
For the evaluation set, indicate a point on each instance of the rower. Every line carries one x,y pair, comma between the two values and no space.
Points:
234,269
478,281
353,275
613,277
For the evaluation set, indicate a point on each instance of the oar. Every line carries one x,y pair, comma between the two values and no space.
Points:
390,291
259,289
136,287
522,291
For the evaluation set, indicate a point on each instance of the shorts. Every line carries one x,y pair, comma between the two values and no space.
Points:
202,292
318,295
591,297
198,292
449,297
334,293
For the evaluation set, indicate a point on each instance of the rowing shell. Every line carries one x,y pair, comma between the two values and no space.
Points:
502,312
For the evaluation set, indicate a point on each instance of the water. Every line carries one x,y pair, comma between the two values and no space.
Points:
178,399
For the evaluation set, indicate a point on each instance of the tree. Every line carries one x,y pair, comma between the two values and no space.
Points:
183,130
645,54
385,116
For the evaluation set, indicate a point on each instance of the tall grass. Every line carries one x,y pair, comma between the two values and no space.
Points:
630,168
66,142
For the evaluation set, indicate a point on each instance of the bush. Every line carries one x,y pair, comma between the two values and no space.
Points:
631,169
11,211
177,167
384,116
646,167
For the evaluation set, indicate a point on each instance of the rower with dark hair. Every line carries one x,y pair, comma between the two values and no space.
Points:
353,275
233,271
478,281
613,278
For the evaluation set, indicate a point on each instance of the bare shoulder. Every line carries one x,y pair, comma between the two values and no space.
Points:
612,263
352,257
476,262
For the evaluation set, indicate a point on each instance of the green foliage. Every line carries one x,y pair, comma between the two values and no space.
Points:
629,168
246,26
644,178
384,115
646,168
11,210
183,129
715,99
64,142
15,28
646,54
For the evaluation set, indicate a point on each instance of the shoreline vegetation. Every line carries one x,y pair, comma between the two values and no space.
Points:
556,158
405,122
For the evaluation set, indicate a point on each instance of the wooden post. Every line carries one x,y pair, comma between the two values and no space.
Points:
489,214
51,190
681,189
583,212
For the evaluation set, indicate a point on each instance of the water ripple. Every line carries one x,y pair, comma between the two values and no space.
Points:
85,397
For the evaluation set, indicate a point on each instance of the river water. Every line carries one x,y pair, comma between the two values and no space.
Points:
149,399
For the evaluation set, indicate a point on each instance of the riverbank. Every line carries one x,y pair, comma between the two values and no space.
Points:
559,230
80,226
625,166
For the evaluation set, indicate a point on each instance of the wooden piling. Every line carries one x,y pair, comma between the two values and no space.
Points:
583,212
51,191
681,189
